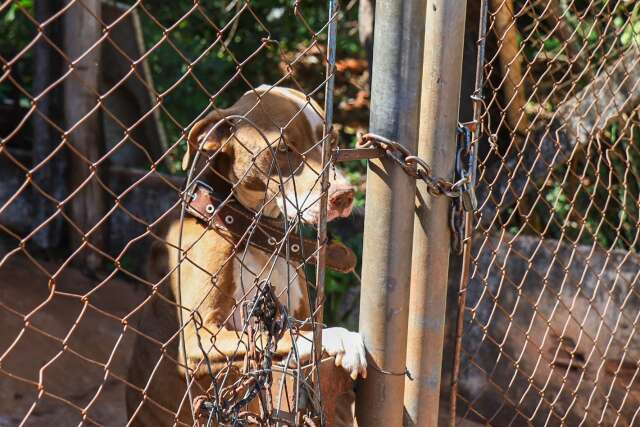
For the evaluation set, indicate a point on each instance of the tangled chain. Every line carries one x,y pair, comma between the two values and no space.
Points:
271,319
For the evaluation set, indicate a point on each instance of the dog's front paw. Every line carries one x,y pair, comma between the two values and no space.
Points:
348,349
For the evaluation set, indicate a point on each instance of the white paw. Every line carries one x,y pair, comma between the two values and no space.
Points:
348,349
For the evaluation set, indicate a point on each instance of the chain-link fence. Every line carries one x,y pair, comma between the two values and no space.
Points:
165,188
166,184
550,322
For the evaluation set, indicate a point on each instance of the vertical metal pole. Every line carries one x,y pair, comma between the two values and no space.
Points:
326,158
395,100
324,185
442,69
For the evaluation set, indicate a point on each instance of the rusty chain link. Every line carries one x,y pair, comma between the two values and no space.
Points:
418,168
464,171
548,298
549,329
461,191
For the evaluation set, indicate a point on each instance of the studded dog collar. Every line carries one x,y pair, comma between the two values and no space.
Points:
245,226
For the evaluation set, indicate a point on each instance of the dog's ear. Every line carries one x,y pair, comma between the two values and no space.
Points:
206,135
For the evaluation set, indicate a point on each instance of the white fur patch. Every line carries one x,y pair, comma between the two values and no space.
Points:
247,267
306,202
347,347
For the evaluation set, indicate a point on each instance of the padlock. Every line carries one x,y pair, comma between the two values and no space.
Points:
468,196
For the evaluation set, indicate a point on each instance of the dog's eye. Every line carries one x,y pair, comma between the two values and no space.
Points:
283,147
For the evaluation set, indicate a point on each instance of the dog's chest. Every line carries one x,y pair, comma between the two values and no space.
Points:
253,266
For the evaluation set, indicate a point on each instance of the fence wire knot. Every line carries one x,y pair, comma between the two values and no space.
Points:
404,373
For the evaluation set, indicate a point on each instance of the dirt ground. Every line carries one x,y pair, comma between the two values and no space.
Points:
70,359
66,358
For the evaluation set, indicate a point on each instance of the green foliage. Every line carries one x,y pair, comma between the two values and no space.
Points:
599,201
630,28
595,197
226,51
16,31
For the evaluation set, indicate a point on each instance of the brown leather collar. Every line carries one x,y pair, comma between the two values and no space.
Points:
267,234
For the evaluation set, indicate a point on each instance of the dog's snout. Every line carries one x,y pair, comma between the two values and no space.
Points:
341,199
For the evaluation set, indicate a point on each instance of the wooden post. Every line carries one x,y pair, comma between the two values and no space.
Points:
82,30
51,177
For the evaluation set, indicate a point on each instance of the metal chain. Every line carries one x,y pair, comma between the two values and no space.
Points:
461,190
271,317
415,167
464,171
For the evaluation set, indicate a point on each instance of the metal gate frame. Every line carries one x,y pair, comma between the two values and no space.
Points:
406,240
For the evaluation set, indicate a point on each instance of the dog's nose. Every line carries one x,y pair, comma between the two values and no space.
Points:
341,199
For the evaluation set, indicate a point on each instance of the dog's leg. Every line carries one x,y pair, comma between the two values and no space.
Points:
225,346
208,259
347,347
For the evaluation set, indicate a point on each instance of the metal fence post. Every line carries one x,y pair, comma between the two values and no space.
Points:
442,68
395,100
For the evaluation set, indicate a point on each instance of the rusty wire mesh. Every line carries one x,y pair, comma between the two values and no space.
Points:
550,322
98,254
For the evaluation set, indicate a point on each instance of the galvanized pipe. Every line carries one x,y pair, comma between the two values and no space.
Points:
395,100
442,70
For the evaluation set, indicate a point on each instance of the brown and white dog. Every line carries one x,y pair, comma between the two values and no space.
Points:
281,180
